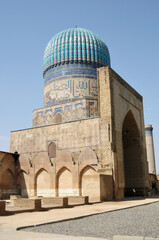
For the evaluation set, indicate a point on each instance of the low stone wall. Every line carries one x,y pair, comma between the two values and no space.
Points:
2,207
27,203
55,201
77,200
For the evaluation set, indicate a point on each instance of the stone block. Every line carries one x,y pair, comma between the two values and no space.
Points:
127,238
2,207
27,203
77,200
37,204
55,201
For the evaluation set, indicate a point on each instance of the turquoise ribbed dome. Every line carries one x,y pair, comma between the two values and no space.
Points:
75,45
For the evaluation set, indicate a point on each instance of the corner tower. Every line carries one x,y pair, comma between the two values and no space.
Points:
70,63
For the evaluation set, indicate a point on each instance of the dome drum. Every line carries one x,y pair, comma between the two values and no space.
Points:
84,62
70,82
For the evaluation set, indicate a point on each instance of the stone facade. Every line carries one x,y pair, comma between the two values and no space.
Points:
121,109
96,153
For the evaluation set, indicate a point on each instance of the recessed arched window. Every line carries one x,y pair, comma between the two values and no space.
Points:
52,150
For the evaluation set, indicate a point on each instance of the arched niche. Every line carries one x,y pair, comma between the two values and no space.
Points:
64,157
52,150
7,180
64,182
132,159
22,181
8,162
90,183
42,183
7,184
88,156
58,118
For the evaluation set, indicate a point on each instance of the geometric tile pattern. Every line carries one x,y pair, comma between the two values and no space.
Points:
77,110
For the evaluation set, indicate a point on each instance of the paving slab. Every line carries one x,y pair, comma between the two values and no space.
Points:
148,238
127,238
15,235
133,238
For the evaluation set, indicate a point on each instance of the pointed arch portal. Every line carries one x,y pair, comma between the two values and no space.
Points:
132,151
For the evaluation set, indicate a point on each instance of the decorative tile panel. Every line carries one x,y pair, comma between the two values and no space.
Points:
69,84
73,111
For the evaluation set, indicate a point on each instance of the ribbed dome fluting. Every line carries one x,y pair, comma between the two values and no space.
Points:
75,45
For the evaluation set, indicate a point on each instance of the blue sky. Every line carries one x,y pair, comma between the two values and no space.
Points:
129,28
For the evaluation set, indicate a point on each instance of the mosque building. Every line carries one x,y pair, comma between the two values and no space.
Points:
89,138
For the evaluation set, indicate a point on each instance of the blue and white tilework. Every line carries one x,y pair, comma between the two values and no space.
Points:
69,83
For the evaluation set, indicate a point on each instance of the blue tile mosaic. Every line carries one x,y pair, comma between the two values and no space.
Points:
66,72
75,45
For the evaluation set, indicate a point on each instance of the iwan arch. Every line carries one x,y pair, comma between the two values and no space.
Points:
89,138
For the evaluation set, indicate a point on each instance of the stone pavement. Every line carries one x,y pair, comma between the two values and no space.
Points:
132,238
9,224
20,235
